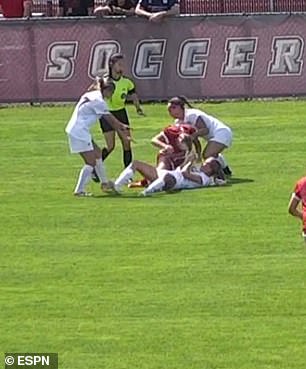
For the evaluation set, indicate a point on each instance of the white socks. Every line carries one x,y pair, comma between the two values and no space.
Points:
155,186
100,170
124,177
84,178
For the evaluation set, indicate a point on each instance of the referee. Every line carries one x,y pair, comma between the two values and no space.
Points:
124,87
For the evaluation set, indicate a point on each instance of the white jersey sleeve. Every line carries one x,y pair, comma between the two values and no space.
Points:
100,107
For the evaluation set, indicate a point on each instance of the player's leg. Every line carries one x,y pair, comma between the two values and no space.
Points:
99,167
127,150
162,183
85,148
147,170
162,163
109,136
89,158
122,116
214,149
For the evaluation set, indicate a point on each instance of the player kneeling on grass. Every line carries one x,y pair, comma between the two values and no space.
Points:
88,110
174,143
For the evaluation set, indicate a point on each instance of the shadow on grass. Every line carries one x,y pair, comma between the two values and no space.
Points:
234,181
125,195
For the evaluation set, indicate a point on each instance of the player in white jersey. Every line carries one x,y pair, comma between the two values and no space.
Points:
88,110
216,133
162,180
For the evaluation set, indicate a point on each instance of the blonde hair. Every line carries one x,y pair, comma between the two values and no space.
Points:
95,85
101,84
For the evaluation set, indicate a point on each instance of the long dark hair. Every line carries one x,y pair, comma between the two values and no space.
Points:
181,101
113,60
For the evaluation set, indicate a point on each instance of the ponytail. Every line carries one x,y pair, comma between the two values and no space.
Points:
112,60
181,101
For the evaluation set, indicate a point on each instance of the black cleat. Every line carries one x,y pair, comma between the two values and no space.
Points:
227,171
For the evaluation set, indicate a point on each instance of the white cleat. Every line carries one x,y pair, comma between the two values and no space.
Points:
115,188
144,194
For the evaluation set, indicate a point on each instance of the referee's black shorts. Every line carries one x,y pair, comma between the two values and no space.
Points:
121,115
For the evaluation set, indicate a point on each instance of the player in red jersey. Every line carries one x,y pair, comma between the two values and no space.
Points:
16,8
171,154
299,196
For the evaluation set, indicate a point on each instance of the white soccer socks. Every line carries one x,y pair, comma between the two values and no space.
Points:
124,178
100,170
84,178
155,186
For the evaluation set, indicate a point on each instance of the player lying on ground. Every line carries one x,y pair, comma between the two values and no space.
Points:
181,178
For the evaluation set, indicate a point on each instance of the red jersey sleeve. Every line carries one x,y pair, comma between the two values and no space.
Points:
300,189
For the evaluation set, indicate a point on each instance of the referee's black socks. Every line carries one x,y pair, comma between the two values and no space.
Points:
105,153
127,157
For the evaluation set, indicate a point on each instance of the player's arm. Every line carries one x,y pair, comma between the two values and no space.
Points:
198,148
293,207
114,122
134,97
192,176
201,129
160,142
136,103
173,9
139,10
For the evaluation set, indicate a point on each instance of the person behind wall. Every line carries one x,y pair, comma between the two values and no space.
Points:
16,8
157,10
115,7
75,8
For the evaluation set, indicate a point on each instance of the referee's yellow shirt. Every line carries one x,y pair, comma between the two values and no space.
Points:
124,86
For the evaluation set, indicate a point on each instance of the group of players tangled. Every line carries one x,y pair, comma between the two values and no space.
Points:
181,162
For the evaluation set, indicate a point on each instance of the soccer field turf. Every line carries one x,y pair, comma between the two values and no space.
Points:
204,279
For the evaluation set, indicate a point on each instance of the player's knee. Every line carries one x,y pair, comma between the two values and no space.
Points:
135,164
110,147
98,153
170,182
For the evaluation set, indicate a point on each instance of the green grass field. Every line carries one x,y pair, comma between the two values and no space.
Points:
204,279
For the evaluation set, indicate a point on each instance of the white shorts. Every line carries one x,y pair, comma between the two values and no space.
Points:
223,136
76,145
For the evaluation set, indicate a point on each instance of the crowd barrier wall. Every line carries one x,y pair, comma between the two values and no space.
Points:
215,57
209,6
